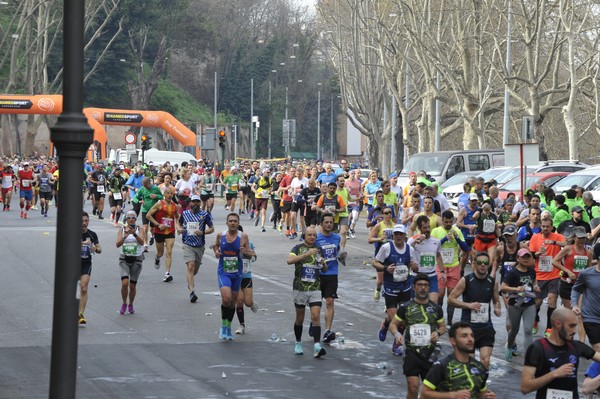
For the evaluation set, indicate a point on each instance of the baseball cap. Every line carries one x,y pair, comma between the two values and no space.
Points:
510,230
25,163
523,252
412,173
266,170
131,213
529,193
473,197
195,197
400,228
509,201
579,231
150,163
577,208
393,174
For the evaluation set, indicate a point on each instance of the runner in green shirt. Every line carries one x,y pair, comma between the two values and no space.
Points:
149,194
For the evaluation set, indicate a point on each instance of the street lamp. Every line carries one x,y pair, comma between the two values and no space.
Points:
318,120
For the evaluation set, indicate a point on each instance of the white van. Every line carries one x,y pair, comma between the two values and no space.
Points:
154,155
442,165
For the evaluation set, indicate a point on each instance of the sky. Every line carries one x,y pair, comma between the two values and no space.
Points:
307,2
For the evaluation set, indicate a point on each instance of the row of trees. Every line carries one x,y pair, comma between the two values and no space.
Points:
139,54
454,52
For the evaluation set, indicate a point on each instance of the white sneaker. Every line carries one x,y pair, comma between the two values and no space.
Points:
254,307
241,330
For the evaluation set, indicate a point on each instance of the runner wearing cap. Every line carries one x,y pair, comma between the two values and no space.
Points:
520,284
207,187
130,260
8,180
576,220
453,242
395,259
487,233
467,224
429,256
506,258
231,183
412,181
194,224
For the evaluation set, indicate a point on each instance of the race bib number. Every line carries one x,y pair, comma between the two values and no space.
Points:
100,189
264,194
246,266
420,334
25,182
482,316
242,184
330,208
86,251
234,187
427,260
330,252
230,264
400,273
208,187
558,394
489,226
117,196
580,262
309,273
192,226
130,248
447,255
545,264
168,222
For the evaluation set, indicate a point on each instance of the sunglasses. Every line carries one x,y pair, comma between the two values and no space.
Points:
422,285
387,213
482,262
526,256
130,217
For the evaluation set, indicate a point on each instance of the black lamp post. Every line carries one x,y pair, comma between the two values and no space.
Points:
72,137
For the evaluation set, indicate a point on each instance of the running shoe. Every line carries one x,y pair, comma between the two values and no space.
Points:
548,332
328,336
193,297
123,308
228,335
25,216
100,215
151,240
383,331
514,350
287,233
256,221
298,349
94,211
342,257
279,228
241,330
22,214
156,262
223,333
535,328
145,248
508,353
82,320
46,214
319,351
112,216
377,295
130,309
254,307
272,217
168,278
116,224
352,234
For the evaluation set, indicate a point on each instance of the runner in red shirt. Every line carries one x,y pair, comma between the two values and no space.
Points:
25,189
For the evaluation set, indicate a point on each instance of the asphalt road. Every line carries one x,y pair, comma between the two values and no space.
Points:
170,347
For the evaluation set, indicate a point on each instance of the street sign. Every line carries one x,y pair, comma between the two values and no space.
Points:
130,148
130,138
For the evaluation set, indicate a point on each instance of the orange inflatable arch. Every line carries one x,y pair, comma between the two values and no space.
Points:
96,117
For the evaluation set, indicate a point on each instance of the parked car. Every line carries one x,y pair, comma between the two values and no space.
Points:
561,166
588,178
453,187
532,180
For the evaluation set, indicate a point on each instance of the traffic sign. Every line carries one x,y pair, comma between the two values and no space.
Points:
130,138
130,148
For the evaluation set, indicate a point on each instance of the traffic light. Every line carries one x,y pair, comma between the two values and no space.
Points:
146,143
222,138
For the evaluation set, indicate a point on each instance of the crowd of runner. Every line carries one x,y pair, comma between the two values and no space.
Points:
487,256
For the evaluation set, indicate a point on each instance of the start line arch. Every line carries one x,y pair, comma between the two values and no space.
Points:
96,117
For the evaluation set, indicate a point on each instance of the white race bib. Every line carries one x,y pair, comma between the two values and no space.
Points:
208,187
168,222
330,252
545,263
100,188
482,316
25,182
192,226
117,196
400,273
558,394
309,273
489,226
447,255
420,334
246,266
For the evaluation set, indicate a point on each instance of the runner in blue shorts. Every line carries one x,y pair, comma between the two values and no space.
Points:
230,246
